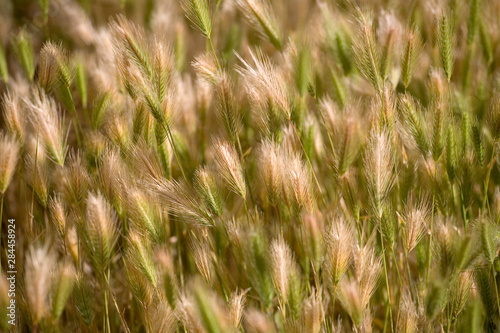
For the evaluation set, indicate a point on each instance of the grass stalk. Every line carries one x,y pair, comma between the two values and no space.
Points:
397,269
429,247
386,276
490,166
494,276
174,148
408,272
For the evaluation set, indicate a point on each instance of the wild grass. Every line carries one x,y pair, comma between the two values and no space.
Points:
251,165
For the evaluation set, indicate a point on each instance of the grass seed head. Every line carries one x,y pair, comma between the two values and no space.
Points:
379,163
45,118
9,155
39,270
407,321
415,222
203,257
207,187
237,303
13,115
197,11
101,231
314,312
229,167
264,83
58,215
338,249
260,14
181,201
282,265
140,256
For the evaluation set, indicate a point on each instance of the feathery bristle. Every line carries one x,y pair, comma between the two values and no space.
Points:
461,293
140,256
145,162
35,174
415,220
197,12
314,313
182,202
162,318
411,55
77,179
101,231
206,67
389,33
169,153
379,164
351,299
144,214
12,115
202,255
298,187
347,128
445,40
257,322
367,268
407,321
9,155
45,119
237,303
40,265
282,264
270,170
264,83
227,107
229,167
338,256
58,215
189,316
206,185
260,14
367,53
52,64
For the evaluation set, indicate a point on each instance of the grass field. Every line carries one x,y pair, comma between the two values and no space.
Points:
249,166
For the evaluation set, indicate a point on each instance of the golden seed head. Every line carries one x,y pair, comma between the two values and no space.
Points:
9,155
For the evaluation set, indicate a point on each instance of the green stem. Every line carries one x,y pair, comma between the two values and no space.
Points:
1,225
106,325
174,148
387,283
487,180
223,289
104,319
496,287
448,319
429,248
408,272
32,217
120,316
397,270
213,51
246,210
385,319
334,298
